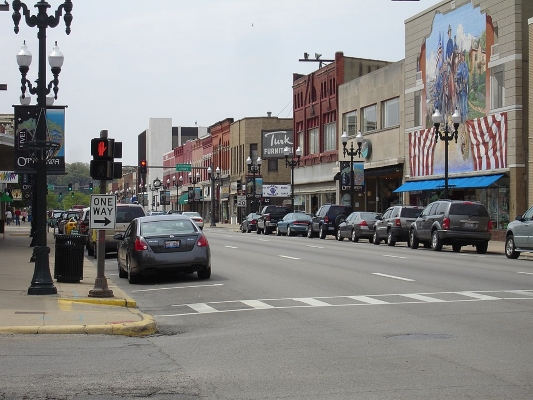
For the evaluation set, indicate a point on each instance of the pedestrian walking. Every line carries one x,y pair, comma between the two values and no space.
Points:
17,216
24,216
9,216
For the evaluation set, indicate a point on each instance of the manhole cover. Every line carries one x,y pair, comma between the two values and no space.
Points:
420,336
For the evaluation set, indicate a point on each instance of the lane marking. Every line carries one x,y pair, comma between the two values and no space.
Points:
525,273
231,247
479,296
393,277
391,256
314,247
292,258
177,287
264,240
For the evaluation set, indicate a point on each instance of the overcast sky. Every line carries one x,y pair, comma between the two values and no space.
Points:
197,62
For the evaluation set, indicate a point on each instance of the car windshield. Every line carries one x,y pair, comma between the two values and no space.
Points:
301,217
475,210
126,214
369,215
334,211
192,214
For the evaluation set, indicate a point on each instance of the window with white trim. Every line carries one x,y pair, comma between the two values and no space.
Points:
370,122
350,123
313,141
330,136
497,88
390,110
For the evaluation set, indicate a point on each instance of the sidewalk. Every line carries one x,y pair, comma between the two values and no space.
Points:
71,310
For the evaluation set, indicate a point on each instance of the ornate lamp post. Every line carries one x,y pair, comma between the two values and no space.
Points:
42,282
254,168
352,153
177,186
213,177
194,181
292,163
446,136
156,185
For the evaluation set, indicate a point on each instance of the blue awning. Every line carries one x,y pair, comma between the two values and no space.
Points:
470,182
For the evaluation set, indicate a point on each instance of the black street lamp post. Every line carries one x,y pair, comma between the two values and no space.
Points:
213,177
446,136
194,181
352,153
292,164
40,148
177,186
156,185
254,168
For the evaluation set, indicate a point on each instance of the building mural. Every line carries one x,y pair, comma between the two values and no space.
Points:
453,61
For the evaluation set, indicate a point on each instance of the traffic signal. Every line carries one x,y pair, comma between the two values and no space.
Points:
91,186
104,151
72,194
70,187
143,166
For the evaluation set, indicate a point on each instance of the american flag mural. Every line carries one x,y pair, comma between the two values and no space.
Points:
421,152
488,141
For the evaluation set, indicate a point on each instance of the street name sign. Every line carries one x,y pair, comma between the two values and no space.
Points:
183,167
103,211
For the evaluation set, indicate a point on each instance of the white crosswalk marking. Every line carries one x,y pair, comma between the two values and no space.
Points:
479,296
257,304
202,308
313,302
368,300
342,301
420,297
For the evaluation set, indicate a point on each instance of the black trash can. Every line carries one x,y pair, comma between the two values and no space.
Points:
68,266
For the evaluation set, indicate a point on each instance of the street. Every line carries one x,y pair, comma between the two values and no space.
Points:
299,318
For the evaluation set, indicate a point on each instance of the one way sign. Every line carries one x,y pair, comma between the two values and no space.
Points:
103,211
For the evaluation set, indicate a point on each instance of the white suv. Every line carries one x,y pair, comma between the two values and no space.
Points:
125,213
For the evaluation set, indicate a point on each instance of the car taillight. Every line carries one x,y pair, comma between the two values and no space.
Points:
267,218
446,223
326,219
140,245
489,226
202,241
364,223
253,222
397,222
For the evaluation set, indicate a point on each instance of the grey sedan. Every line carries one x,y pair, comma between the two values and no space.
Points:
169,243
359,224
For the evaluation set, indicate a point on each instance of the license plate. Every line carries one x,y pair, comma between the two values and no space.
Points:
469,225
172,244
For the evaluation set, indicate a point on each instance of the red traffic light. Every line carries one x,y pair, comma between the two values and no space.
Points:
143,166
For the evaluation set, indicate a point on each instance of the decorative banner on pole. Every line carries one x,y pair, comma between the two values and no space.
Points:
26,118
8,177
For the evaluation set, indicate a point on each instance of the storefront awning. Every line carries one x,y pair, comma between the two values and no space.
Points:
470,182
184,198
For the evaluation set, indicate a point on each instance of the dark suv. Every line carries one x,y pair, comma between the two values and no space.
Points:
395,223
327,219
452,222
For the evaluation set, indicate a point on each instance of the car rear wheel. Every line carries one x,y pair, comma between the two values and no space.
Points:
456,248
121,272
309,232
413,240
289,232
204,274
481,248
436,243
132,278
510,248
390,239
322,232
278,233
355,238
339,235
375,239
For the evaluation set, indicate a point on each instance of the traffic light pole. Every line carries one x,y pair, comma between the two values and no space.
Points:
100,284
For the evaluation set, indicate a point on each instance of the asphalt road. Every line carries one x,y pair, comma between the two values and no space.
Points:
297,318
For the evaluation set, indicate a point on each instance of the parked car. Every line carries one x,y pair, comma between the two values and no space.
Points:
249,223
170,243
294,223
174,212
65,218
83,223
268,218
519,235
395,224
357,225
327,219
452,222
154,212
125,213
197,218
53,216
